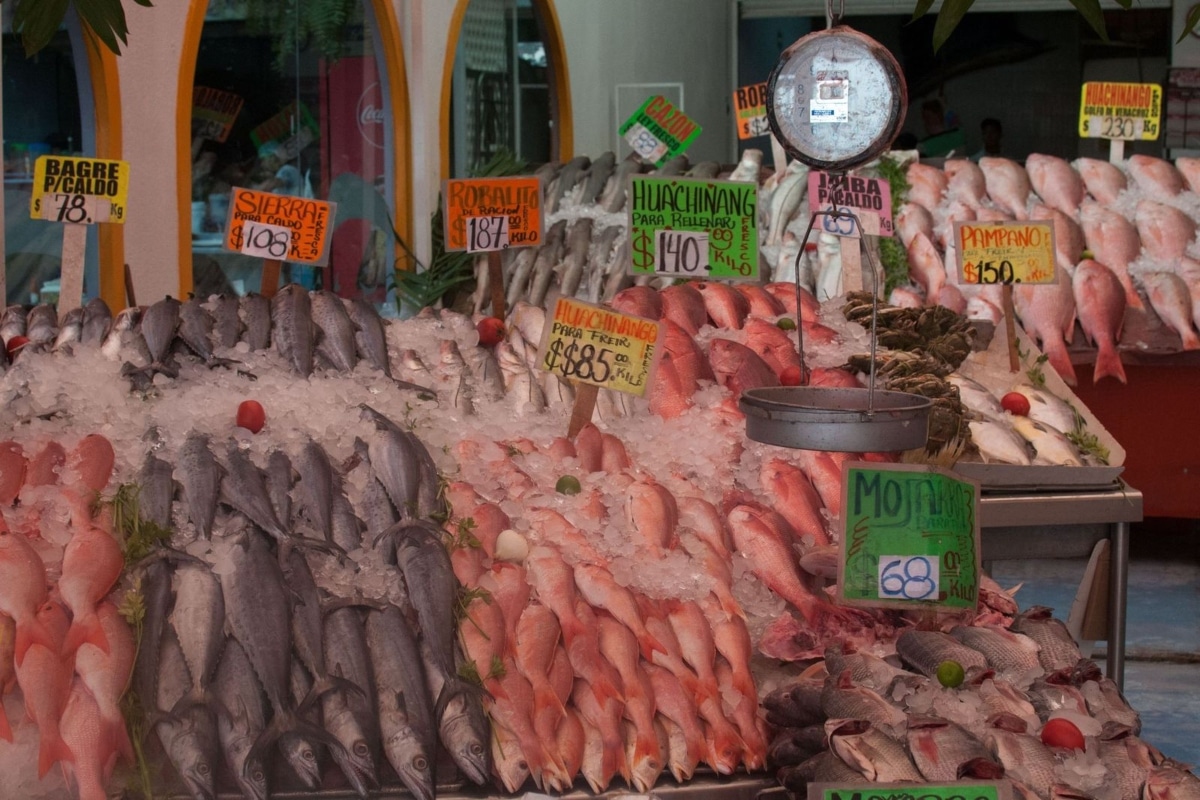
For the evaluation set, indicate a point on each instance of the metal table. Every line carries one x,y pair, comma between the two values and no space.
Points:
1062,524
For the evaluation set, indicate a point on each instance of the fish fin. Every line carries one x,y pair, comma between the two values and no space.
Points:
546,697
86,631
28,635
332,683
5,729
648,644
52,750
1108,365
605,690
120,735
196,697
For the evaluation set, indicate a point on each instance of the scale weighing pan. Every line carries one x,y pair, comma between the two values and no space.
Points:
836,418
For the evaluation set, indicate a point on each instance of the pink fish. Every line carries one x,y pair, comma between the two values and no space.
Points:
640,301
673,702
509,587
1007,184
716,566
1189,270
986,214
1054,180
45,467
925,266
589,448
554,527
793,496
762,302
570,741
726,307
703,519
952,298
832,376
1103,181
92,461
107,674
1100,300
743,711
653,515
92,563
695,643
826,476
926,185
775,345
1154,176
537,639
1114,242
462,498
467,563
22,591
906,297
669,396
561,448
683,304
1189,168
598,587
1170,298
620,650
981,308
484,640
87,735
1165,230
686,355
12,472
732,640
490,520
1068,236
810,308
771,559
45,680
954,211
739,368
1048,314
605,720
514,711
614,459
965,181
912,219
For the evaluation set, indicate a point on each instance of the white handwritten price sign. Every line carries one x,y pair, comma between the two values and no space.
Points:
264,240
681,254
601,347
487,233
911,537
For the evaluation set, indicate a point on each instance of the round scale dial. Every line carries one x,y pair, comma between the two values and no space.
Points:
836,99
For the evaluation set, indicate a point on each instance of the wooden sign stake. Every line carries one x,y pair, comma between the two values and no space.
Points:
270,277
585,405
496,282
778,155
1116,150
130,296
70,283
850,248
1010,327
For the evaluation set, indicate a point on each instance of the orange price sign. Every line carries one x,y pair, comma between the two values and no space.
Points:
483,214
280,227
1006,252
750,108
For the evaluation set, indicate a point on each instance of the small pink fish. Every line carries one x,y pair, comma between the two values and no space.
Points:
775,345
1007,184
1172,302
726,307
906,297
926,185
966,183
640,301
762,302
925,266
92,563
793,496
1048,314
1189,168
107,674
1103,181
1100,300
683,304
1165,230
1058,185
589,448
739,368
686,355
45,680
1154,176
1114,242
1068,236
912,219
669,396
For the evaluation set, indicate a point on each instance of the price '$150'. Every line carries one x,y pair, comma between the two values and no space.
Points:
584,362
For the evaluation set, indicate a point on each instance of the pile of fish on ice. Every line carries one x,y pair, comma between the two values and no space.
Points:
1030,710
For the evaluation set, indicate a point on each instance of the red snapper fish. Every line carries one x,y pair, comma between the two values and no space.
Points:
683,304
739,368
762,302
726,307
1007,184
92,563
1172,302
926,185
22,591
1154,176
926,267
965,182
1058,185
1114,242
1100,301
1165,230
45,680
1103,181
1048,314
640,301
912,219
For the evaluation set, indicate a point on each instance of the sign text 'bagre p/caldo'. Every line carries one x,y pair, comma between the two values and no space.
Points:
279,227
658,131
600,346
483,214
688,228
910,537
79,190
1125,111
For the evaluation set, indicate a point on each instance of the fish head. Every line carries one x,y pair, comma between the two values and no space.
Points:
302,757
407,755
253,779
468,747
191,745
512,768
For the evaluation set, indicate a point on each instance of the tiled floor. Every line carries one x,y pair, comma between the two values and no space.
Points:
1162,671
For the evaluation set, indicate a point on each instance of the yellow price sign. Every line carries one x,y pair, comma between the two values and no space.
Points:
1125,111
599,346
1006,252
79,190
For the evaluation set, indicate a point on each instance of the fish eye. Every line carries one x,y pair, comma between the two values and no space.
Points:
523,764
202,769
308,755
361,749
258,776
476,749
420,763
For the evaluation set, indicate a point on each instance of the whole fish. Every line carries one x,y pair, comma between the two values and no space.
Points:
156,491
940,747
243,488
965,182
70,329
405,718
1154,176
518,280
195,329
1055,182
227,325
1006,652
41,324
874,754
155,576
1050,446
925,650
397,466
201,478
278,478
432,588
292,328
1024,757
317,484
13,322
1057,648
572,173
1171,783
548,256
335,331
1069,239
190,739
85,734
576,259
1100,301
842,698
256,316
926,184
350,716
912,219
597,178
198,619
1007,184
1049,409
1114,242
159,325
676,166
1165,231
739,368
1103,181
347,527
123,336
241,719
370,338
1171,299
926,267
461,723
45,681
747,169
1048,314
785,202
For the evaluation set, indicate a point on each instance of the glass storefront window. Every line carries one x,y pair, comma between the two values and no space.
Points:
41,116
500,95
303,118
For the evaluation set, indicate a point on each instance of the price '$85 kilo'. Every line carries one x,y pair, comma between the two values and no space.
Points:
584,362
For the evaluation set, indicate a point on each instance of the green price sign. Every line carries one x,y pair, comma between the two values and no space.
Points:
685,228
910,537
659,131
965,790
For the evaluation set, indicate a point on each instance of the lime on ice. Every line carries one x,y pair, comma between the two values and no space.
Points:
950,674
569,484
786,324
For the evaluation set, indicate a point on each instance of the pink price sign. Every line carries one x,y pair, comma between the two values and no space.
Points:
868,198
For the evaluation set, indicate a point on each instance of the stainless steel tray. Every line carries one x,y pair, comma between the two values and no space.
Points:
840,419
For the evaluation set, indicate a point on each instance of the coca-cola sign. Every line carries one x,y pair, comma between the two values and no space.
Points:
371,115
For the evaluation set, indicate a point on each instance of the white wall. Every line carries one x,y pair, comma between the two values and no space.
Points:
634,41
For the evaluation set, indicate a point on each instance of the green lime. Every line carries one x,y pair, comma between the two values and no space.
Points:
569,484
950,674
786,324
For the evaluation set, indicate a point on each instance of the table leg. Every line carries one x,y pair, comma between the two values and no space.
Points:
1118,578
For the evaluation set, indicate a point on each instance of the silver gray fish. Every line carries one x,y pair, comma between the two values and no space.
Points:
405,718
1057,649
351,717
1010,654
576,261
316,486
70,329
822,768
243,488
227,325
1127,758
925,650
198,619
378,512
432,587
41,324
866,670
256,316
155,576
195,329
597,177
190,738
397,465
549,254
201,481
279,479
572,173
123,334
940,747
307,624
300,753
1024,757
159,324
866,748
1106,703
843,699
370,338
335,331
12,322
518,280
156,491
463,728
705,170
347,527
676,166
97,319
241,718
613,199
292,328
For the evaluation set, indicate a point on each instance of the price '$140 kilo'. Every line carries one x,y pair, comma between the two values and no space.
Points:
583,362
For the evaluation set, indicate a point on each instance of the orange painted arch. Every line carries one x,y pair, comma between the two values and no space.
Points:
563,141
397,79
106,99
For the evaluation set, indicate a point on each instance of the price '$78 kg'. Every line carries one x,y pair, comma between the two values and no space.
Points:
584,362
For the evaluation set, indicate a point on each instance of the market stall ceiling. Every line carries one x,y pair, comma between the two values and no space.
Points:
752,9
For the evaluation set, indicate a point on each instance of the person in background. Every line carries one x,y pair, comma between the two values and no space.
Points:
940,138
991,130
285,177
